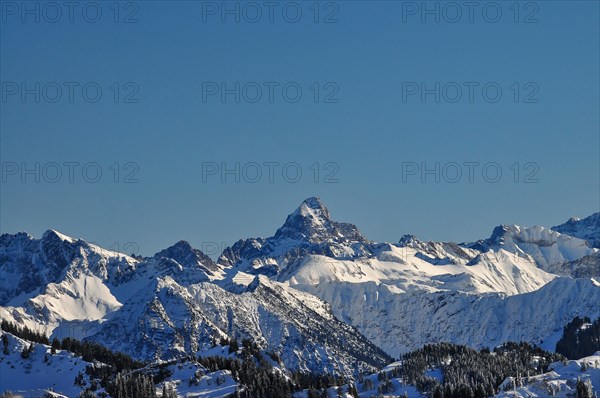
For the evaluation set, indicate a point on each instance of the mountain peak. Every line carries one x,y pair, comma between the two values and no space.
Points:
584,228
310,221
498,234
54,234
183,245
308,230
314,202
187,256
312,207
408,240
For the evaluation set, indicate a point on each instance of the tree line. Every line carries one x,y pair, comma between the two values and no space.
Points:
87,350
465,372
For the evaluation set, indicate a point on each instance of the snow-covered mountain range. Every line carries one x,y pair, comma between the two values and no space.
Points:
514,285
318,293
164,307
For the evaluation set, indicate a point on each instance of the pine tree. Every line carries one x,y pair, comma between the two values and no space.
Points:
5,343
87,394
55,346
584,389
168,391
352,391
233,346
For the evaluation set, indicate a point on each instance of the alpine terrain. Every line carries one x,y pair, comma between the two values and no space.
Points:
317,308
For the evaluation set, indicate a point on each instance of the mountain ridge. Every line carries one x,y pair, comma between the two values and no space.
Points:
313,267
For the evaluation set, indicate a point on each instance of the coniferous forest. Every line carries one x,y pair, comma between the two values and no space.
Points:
465,372
581,338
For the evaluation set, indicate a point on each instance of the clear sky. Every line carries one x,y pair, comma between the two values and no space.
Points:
386,92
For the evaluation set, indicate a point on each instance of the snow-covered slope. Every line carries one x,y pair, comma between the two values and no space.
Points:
560,381
402,269
169,320
40,372
189,379
43,373
403,322
552,251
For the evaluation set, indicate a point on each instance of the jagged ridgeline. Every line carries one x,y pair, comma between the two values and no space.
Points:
167,307
317,295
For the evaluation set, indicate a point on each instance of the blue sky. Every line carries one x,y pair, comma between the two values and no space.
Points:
161,137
